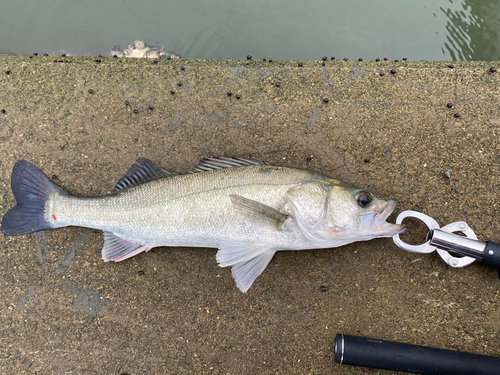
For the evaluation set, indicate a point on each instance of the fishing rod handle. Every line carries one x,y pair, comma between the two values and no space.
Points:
491,255
396,356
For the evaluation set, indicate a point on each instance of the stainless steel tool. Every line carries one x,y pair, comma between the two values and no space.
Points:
444,240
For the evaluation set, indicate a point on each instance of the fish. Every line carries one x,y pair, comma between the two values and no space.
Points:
245,208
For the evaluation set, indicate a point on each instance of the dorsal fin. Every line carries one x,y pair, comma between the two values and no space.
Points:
221,162
139,174
148,171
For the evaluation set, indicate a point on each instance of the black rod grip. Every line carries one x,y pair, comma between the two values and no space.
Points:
396,356
491,255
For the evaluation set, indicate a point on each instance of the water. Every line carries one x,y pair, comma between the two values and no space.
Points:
278,29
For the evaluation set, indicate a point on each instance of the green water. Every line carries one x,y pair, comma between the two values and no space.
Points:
278,29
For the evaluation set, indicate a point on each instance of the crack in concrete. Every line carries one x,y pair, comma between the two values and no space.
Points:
87,300
356,72
42,247
314,115
326,79
69,255
24,299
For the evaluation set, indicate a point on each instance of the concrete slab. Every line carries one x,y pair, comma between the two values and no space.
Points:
173,310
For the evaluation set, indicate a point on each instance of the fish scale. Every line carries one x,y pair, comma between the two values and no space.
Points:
184,210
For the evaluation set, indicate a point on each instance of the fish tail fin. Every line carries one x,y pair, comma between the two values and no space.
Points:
32,189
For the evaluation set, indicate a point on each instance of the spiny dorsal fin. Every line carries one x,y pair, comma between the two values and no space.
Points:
139,174
221,162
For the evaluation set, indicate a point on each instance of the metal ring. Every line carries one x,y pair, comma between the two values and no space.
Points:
424,248
457,262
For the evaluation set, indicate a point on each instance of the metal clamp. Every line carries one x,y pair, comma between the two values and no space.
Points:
424,248
430,245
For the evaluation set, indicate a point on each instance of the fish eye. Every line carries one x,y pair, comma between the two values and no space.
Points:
364,198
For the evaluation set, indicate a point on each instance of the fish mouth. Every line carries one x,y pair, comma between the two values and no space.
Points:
376,222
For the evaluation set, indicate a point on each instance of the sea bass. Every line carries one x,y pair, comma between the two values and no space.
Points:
246,208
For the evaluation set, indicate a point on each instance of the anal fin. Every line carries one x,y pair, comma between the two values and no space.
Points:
248,261
116,248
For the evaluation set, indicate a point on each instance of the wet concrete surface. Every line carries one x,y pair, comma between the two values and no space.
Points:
173,310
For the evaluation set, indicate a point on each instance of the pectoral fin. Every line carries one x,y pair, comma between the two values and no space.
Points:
258,212
249,260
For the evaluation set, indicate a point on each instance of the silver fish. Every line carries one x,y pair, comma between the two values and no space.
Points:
245,208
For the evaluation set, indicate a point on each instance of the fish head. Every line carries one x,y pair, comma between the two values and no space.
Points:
333,213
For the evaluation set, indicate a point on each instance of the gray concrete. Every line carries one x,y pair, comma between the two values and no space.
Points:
173,310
